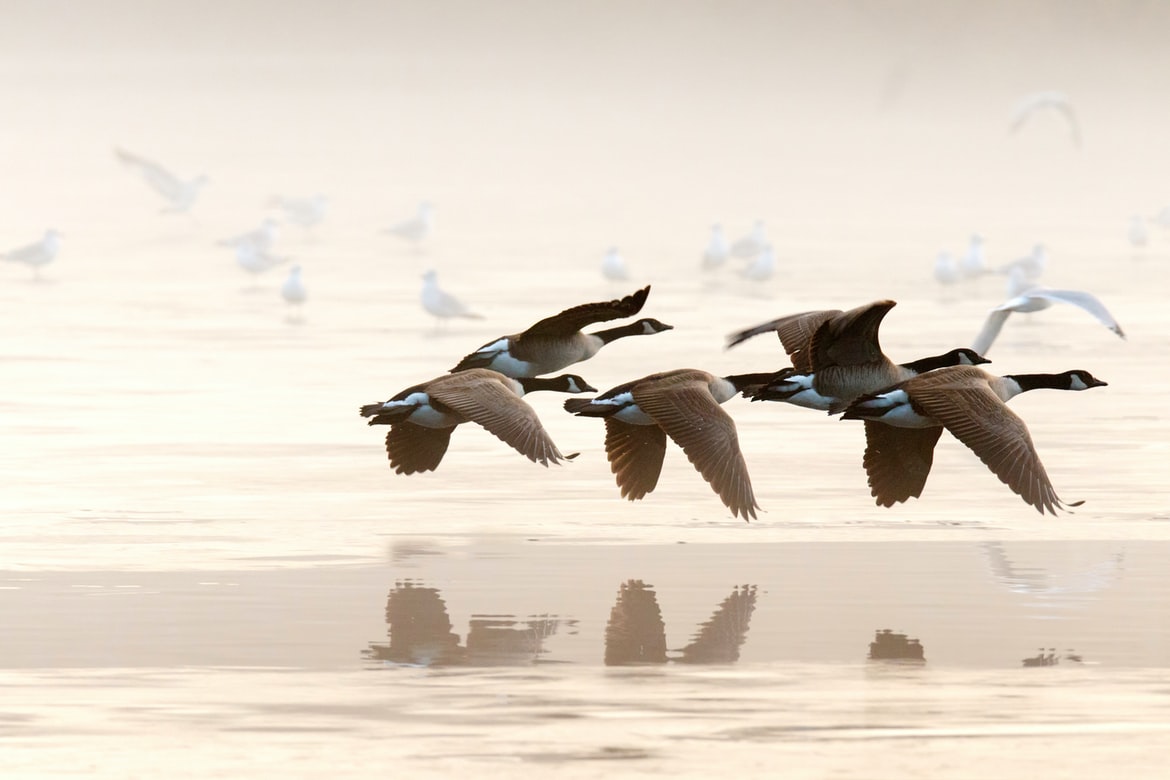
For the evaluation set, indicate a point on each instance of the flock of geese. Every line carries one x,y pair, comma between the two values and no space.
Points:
837,366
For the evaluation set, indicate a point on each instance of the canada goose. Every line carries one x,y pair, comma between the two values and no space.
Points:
180,194
1038,299
1051,100
37,253
904,422
416,229
422,417
717,249
440,303
682,404
557,341
836,356
613,266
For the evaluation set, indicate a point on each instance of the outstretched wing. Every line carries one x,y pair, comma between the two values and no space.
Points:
635,455
572,320
487,401
898,460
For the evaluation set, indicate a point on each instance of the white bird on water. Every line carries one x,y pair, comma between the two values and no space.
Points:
1030,266
293,289
416,229
613,265
441,304
179,193
306,212
1138,235
257,261
762,267
1049,100
752,244
946,269
717,250
261,239
1037,299
38,253
973,263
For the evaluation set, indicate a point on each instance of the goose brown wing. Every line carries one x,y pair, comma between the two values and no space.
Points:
489,402
977,417
572,320
683,405
795,332
898,460
850,338
635,455
413,448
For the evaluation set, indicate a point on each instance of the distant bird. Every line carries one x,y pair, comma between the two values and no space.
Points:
260,239
1046,101
416,229
1037,299
747,247
904,422
422,417
1031,266
1138,235
180,194
293,289
557,341
717,250
684,405
946,269
37,254
256,261
762,267
306,212
441,304
613,266
836,356
1162,218
973,264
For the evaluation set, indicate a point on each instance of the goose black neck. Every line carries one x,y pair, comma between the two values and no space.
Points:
533,383
748,381
1039,381
613,334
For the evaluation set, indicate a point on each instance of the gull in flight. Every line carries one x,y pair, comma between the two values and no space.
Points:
440,303
260,239
180,194
717,249
416,229
306,212
1051,101
1038,299
36,254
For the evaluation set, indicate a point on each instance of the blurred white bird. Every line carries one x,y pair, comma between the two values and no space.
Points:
440,303
946,268
180,194
762,268
306,212
752,244
416,229
1030,267
1138,235
261,239
293,289
1162,218
1046,101
613,265
973,264
38,253
256,261
717,249
1038,299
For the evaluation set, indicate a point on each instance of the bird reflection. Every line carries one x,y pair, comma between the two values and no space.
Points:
888,646
1038,582
1050,658
420,633
636,634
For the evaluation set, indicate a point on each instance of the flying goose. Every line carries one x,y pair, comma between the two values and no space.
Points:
836,356
557,341
422,417
684,405
904,422
180,194
1038,299
442,304
37,253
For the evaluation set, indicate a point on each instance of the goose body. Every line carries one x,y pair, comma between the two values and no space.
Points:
181,194
557,341
441,304
36,254
836,356
904,422
684,405
1036,299
422,417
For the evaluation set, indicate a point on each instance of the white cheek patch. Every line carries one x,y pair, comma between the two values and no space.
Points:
1077,383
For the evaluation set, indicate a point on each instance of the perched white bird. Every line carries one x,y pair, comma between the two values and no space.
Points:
306,212
762,268
717,249
416,229
752,244
1029,267
293,289
261,239
256,261
1038,299
180,194
1050,101
946,269
1162,218
613,265
1138,235
38,253
973,264
441,304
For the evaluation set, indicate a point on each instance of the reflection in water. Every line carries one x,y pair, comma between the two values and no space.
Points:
887,645
420,633
1050,658
1038,582
636,634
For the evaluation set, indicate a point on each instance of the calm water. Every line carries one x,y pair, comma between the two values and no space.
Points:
206,565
